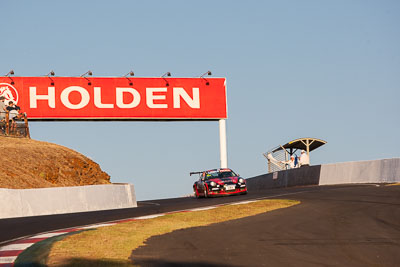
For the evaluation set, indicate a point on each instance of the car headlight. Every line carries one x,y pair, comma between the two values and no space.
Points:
241,180
213,183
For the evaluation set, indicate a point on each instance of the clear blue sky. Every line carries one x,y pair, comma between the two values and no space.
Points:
324,69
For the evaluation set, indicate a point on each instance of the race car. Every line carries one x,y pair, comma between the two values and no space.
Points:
218,182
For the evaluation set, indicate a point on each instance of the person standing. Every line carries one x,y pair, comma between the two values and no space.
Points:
13,110
290,162
304,159
296,161
2,108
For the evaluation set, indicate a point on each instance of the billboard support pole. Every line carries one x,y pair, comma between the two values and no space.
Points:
222,144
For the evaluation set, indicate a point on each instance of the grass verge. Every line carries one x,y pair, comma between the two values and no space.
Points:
112,245
394,184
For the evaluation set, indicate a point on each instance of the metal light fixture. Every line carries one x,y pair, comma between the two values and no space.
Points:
163,76
131,73
11,72
89,73
166,74
204,74
207,73
51,73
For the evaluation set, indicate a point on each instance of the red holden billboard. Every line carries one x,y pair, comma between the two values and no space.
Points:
80,98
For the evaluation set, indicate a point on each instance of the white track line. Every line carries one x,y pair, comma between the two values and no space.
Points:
96,226
243,202
204,208
7,259
16,247
48,235
149,216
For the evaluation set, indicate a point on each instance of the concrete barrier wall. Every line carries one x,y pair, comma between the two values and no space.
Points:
295,177
372,171
57,200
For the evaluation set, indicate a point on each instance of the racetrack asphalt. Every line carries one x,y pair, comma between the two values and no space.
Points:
333,226
16,228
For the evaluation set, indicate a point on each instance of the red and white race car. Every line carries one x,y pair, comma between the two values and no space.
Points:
218,182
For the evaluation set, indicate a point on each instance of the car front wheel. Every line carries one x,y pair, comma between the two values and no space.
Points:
196,193
205,192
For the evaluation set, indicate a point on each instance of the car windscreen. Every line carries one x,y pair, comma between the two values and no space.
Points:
213,175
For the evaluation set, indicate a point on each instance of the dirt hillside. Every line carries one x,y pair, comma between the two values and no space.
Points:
27,163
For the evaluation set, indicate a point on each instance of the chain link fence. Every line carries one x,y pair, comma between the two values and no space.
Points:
276,160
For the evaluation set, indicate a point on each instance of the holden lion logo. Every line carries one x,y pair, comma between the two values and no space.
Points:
9,92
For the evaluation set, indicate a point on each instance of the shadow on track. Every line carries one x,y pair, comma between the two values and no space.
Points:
346,226
109,263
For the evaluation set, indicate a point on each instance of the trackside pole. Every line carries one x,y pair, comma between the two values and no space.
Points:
222,144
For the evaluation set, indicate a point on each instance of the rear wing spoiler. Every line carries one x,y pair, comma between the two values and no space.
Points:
191,173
